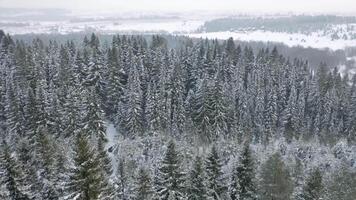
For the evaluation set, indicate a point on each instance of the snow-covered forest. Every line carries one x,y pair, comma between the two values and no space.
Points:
141,119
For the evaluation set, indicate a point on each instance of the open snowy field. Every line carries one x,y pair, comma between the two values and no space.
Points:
313,40
106,27
315,33
175,26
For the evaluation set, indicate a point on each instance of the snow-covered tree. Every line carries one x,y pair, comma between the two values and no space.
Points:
215,178
276,181
171,177
197,181
243,185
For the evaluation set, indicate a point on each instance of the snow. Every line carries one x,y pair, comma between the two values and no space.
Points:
314,40
179,26
105,26
188,24
347,70
112,141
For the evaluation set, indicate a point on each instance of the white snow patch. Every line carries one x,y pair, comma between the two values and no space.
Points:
313,40
108,27
112,141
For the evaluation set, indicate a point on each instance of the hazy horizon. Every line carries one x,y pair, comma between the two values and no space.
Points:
262,6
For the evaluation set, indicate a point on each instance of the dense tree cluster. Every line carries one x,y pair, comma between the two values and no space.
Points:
57,98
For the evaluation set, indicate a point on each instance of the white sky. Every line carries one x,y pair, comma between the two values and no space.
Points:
336,6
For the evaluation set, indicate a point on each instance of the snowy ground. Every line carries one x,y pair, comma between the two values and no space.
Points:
175,26
333,36
148,151
108,27
112,141
344,70
313,40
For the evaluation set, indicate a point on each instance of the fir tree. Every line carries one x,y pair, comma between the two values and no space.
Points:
85,179
342,185
197,187
243,178
133,114
215,180
93,122
144,189
171,178
12,176
313,188
276,183
123,189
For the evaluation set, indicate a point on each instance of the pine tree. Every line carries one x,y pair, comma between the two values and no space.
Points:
276,183
115,80
28,165
133,113
177,112
144,189
343,184
171,178
243,178
105,161
197,187
201,114
85,179
93,122
46,167
313,188
12,176
13,113
219,108
123,189
215,180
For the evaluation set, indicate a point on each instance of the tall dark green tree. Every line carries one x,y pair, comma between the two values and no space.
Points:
123,187
46,166
342,185
144,188
12,176
313,188
276,183
132,119
243,186
215,178
93,122
171,178
85,179
197,187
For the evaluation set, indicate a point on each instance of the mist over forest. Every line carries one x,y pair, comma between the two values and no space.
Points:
175,103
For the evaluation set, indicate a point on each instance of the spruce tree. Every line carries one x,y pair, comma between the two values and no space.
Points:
12,176
171,178
115,85
243,186
133,113
123,188
215,177
85,178
313,188
201,114
197,186
93,122
46,166
342,184
144,189
276,183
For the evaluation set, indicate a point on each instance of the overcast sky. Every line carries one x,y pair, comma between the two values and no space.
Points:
339,6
